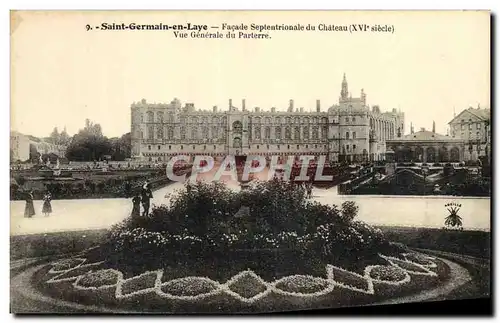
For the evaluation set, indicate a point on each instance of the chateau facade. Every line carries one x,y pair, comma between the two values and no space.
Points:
348,130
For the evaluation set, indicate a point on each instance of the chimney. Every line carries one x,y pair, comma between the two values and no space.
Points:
434,126
301,109
318,106
290,107
214,109
230,104
422,129
257,109
273,109
243,105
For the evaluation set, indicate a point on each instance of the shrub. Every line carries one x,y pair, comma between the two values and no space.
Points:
201,220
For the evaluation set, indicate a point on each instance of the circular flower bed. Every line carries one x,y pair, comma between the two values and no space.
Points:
201,248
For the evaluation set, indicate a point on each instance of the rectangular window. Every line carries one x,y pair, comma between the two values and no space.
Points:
347,135
463,127
478,126
354,147
347,147
159,147
278,147
347,120
470,126
354,135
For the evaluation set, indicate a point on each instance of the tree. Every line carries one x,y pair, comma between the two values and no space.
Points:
121,147
64,138
34,154
54,136
88,144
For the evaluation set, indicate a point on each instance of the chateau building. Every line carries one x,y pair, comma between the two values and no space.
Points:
348,130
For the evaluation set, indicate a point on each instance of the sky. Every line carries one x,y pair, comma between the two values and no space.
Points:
433,64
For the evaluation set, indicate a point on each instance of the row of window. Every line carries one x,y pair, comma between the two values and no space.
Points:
258,147
267,120
478,126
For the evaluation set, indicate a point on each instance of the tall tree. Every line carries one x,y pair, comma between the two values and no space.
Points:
88,144
64,138
54,136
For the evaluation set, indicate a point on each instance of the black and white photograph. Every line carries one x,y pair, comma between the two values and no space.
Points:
248,162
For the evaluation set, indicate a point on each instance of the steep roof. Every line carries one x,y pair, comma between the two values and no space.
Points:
425,135
481,114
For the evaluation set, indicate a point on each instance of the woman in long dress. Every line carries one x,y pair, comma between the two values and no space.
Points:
136,202
29,210
47,207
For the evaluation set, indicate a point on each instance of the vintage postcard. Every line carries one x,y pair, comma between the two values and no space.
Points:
248,161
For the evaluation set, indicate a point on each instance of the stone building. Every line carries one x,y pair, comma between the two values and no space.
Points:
348,130
426,146
474,127
19,146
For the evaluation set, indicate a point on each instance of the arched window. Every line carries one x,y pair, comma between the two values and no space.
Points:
170,133
182,120
204,132
296,120
194,120
324,132
215,120
277,132
288,133
237,127
159,133
183,133
347,135
237,143
194,132
257,133
150,116
215,130
159,117
151,132
306,132
268,120
297,133
315,132
267,132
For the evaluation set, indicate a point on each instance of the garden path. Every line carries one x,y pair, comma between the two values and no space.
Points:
418,211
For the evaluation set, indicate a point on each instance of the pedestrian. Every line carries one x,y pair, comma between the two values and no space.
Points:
47,207
146,195
29,210
136,202
309,190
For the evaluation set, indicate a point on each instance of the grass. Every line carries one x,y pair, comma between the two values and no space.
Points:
470,243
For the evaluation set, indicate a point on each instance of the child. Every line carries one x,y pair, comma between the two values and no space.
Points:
47,207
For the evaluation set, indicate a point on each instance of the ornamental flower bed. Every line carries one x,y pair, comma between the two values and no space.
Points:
285,247
108,286
200,223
